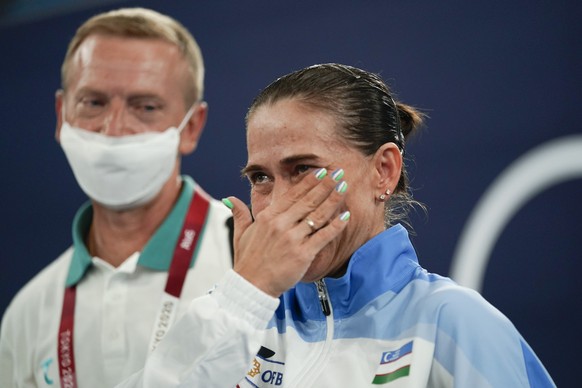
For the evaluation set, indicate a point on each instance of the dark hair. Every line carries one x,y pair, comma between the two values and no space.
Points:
366,110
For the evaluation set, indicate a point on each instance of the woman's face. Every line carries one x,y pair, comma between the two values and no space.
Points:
290,139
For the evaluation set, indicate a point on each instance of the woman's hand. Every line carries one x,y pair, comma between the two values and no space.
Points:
275,251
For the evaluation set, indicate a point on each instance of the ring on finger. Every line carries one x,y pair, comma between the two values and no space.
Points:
311,224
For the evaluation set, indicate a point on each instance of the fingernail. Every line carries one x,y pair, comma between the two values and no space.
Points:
321,173
227,203
345,216
337,174
341,187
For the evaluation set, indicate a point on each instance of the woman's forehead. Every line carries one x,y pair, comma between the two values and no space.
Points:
291,118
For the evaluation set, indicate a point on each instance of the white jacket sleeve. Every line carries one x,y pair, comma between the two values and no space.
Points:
7,356
213,344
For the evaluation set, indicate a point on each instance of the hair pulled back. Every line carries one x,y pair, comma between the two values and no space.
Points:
368,114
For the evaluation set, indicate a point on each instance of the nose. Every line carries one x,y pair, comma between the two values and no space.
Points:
279,190
115,122
262,199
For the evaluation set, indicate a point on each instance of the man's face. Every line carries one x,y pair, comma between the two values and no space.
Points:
120,86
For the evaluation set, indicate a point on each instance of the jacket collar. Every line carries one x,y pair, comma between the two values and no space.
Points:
383,264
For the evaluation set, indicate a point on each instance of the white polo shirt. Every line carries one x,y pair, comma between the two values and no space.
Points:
116,308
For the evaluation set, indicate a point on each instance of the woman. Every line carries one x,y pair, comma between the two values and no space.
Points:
363,312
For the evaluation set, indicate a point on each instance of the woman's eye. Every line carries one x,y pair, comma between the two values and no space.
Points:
258,178
302,168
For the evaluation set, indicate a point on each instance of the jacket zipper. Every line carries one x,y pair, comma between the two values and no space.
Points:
314,370
323,297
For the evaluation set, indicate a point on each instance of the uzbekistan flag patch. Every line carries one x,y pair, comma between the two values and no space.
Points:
394,364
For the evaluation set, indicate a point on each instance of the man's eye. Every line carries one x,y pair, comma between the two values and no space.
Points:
90,106
92,102
148,107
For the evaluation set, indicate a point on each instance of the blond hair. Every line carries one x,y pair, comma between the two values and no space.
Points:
146,24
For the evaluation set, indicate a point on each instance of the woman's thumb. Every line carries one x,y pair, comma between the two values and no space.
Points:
241,215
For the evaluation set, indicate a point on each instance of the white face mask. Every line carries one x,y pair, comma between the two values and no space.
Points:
121,172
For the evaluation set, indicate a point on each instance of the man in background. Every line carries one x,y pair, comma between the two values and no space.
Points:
149,240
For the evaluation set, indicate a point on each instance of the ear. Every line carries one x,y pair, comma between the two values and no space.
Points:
193,129
59,101
388,166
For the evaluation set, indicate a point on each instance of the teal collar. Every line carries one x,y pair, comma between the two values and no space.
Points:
158,252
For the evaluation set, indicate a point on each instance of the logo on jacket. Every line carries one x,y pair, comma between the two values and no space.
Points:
45,370
394,364
186,242
256,369
265,371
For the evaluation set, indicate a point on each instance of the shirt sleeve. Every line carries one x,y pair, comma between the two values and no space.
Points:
213,344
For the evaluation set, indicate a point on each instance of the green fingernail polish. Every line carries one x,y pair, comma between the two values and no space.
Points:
337,174
341,187
321,173
345,216
227,203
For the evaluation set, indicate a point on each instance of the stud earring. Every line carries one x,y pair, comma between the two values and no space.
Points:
384,196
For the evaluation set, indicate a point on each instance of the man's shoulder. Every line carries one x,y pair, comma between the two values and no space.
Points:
219,217
49,280
217,211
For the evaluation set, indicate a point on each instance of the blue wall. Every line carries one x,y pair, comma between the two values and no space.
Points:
496,78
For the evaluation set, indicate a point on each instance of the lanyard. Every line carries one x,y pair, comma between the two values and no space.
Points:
183,252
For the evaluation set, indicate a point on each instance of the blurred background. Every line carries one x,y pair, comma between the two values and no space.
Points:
500,80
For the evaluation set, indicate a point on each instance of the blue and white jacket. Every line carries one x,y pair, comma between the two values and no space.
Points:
385,322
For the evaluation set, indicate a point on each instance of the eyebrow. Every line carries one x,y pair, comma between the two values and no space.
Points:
285,161
89,91
135,96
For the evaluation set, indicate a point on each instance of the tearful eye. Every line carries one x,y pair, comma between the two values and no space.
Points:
302,168
257,178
